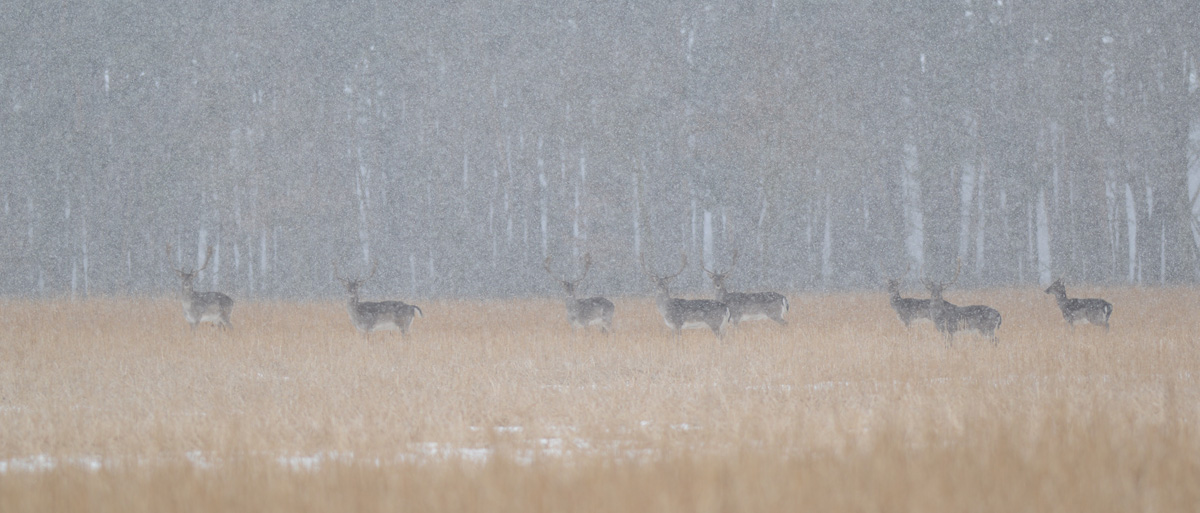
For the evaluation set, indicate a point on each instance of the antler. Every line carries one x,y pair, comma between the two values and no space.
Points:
682,266
645,268
173,268
207,255
337,272
956,271
374,266
710,272
713,273
587,264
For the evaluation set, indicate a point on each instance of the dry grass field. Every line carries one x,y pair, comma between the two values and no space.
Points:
116,405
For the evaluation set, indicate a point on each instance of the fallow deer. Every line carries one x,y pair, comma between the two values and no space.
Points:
1080,310
681,314
582,313
747,306
376,316
198,307
950,318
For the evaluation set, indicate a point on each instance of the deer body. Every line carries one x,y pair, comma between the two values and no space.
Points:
908,309
213,307
686,314
382,315
747,306
754,306
369,317
950,318
1080,310
592,311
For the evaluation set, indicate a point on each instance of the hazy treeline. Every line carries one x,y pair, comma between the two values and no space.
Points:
458,144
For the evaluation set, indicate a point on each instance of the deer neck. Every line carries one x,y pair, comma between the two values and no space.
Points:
187,291
663,300
936,299
1061,297
721,292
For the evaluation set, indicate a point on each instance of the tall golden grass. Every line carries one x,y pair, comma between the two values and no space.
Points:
116,404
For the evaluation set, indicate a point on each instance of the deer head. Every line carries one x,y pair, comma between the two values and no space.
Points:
189,276
569,286
718,278
936,288
663,282
353,284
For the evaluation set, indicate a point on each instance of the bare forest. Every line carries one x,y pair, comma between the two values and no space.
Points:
832,143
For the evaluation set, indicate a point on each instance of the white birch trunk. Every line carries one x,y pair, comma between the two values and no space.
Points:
637,212
275,247
692,246
508,221
1030,241
432,279
1162,254
544,204
1044,266
914,218
216,263
808,236
1131,233
1114,227
707,256
363,192
1193,178
575,232
250,262
201,248
466,176
262,258
827,244
1005,223
544,200
762,239
981,224
966,201
580,193
237,260
84,243
492,231
412,273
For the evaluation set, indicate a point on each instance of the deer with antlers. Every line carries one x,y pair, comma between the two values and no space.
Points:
950,318
1080,310
909,309
198,307
582,313
681,314
376,316
747,306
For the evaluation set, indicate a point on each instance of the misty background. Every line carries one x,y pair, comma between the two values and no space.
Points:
831,143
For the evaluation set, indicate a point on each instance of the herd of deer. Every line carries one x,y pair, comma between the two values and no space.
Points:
729,308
